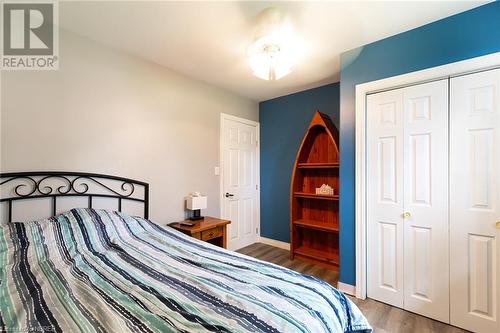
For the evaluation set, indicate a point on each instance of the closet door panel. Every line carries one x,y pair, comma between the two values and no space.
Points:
385,197
426,241
475,201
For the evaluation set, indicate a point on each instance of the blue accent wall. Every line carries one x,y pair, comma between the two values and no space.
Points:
283,123
462,36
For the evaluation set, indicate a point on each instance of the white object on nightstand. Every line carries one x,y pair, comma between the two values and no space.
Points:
196,202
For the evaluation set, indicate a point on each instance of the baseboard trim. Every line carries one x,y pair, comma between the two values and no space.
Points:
274,242
346,288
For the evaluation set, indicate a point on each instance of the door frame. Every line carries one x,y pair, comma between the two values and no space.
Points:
256,124
362,90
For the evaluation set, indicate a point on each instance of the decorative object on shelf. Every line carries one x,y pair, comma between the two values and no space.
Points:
314,204
324,190
196,202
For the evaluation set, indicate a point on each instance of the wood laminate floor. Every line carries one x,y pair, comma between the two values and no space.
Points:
382,317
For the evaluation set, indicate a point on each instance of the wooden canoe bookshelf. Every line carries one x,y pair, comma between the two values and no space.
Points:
314,218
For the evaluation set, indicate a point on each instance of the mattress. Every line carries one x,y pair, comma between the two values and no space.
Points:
92,270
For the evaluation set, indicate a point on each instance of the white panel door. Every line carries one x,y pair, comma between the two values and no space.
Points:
426,240
385,197
239,181
475,201
408,174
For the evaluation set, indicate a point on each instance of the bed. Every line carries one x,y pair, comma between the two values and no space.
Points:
100,270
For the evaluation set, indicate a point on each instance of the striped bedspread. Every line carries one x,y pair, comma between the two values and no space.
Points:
99,271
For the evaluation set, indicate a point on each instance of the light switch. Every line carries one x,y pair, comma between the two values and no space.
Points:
216,171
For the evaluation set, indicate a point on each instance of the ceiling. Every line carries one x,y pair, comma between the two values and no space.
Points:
209,40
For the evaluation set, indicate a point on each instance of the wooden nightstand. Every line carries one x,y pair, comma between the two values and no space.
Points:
210,229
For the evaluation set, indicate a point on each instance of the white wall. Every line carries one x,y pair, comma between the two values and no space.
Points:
108,112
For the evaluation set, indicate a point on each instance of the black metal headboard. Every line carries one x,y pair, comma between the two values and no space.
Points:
32,185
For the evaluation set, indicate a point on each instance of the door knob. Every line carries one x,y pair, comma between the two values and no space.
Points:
498,224
229,195
406,215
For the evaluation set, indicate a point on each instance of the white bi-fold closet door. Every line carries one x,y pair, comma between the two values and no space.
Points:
475,201
407,243
433,199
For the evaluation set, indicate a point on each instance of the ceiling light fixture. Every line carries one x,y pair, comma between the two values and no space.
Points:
274,50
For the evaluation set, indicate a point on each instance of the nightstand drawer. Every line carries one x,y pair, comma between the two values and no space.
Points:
211,233
209,229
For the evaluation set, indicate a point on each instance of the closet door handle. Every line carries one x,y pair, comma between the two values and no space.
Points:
229,195
498,224
406,215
